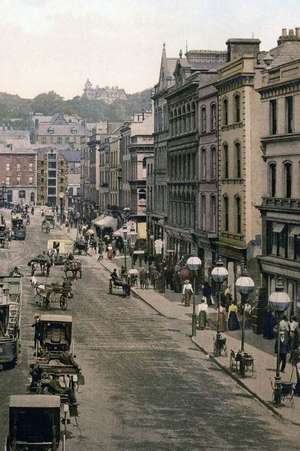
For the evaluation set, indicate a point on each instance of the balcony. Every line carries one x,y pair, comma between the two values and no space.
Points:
280,203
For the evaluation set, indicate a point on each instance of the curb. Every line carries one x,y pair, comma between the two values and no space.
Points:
244,386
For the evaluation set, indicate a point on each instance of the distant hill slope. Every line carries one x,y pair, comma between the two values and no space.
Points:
14,110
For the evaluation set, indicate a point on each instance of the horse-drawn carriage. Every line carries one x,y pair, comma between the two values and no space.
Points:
54,293
60,249
74,267
80,246
42,262
50,218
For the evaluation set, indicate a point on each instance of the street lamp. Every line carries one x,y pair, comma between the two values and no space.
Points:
125,244
194,264
219,275
279,301
245,285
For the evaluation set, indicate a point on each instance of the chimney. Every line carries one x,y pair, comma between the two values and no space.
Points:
284,32
237,48
291,32
297,31
289,36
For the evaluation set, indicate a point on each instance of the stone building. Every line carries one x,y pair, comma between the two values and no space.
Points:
59,129
106,94
135,145
241,175
206,232
184,171
18,176
280,145
157,215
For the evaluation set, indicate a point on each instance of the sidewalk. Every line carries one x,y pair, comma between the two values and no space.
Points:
259,385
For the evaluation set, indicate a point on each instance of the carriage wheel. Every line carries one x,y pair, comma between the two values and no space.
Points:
63,302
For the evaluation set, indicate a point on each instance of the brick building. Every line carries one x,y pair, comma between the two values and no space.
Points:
18,176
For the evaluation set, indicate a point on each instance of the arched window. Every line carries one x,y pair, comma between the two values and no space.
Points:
225,112
179,121
272,179
226,161
213,116
183,120
225,213
193,116
288,179
188,111
203,164
213,163
237,108
203,119
238,214
238,160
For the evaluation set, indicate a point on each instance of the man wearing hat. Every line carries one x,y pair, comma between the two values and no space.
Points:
37,330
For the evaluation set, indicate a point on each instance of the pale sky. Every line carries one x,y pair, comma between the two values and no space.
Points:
57,44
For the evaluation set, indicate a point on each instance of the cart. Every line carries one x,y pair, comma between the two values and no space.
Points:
34,423
47,294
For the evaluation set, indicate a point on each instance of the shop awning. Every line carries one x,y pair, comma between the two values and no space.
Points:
277,228
295,230
106,222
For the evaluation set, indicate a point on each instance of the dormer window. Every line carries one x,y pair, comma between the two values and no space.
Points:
50,130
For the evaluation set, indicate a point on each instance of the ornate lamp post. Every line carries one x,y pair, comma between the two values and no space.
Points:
194,264
245,286
279,301
219,275
125,244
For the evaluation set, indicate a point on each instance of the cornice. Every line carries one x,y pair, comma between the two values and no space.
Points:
234,82
279,89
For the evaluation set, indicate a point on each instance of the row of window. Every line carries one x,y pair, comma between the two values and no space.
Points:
237,164
182,209
231,115
283,240
212,118
18,181
208,164
288,117
8,167
182,167
183,119
287,179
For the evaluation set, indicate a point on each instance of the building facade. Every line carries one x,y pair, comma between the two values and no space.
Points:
241,176
107,94
157,215
186,228
280,144
136,144
18,176
52,178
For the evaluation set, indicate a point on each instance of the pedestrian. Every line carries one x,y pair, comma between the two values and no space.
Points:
233,322
201,312
284,325
268,324
37,331
294,336
207,292
283,348
187,292
222,318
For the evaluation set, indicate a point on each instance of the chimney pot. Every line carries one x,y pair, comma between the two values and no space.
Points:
284,32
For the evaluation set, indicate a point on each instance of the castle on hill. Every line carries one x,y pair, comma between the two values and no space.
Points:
107,94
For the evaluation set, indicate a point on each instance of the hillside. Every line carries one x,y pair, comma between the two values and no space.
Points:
14,110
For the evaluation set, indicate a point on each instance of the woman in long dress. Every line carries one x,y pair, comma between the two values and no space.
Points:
233,322
202,314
